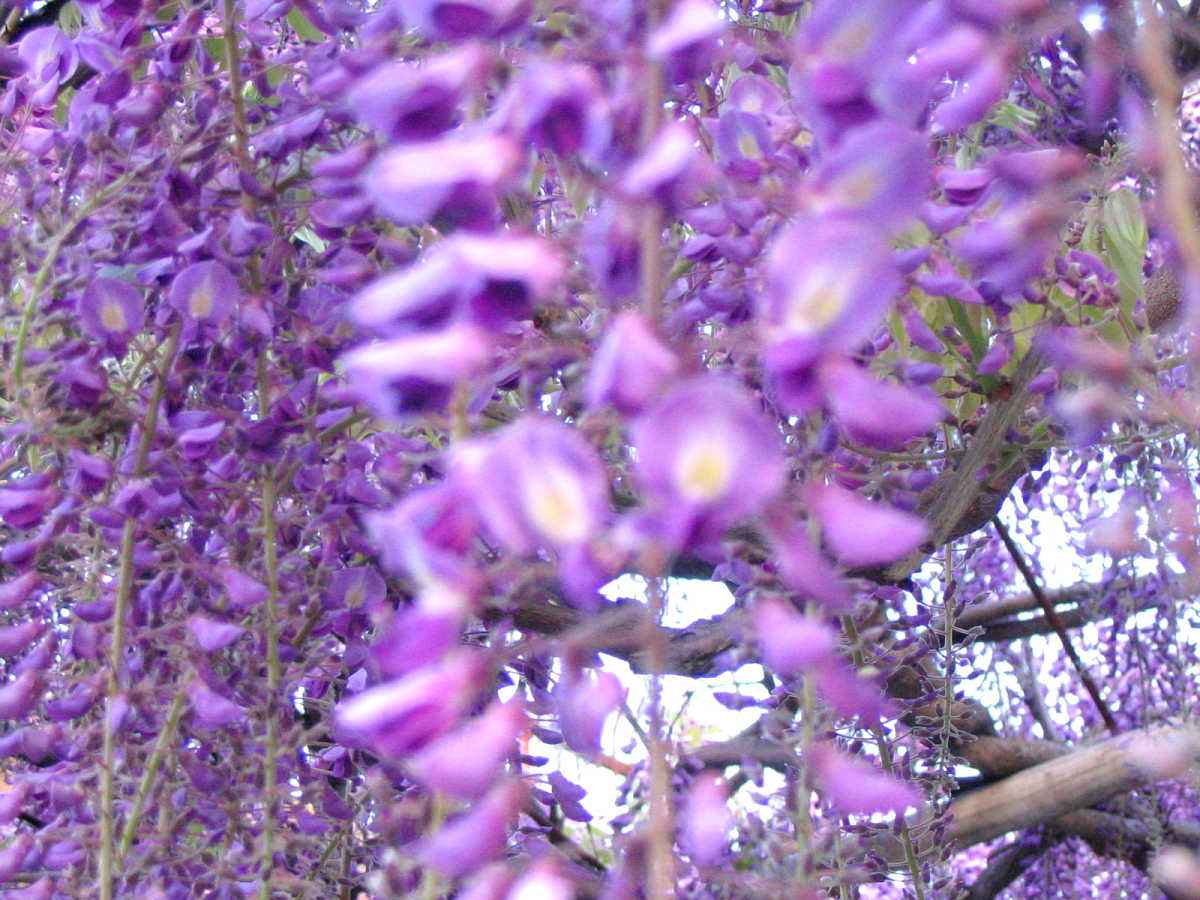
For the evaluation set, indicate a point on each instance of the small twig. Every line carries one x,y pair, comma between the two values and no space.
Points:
1059,628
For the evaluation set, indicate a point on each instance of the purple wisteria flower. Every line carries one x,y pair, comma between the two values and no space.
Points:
686,42
457,20
491,281
401,716
584,702
204,292
558,107
537,483
429,536
855,787
861,532
631,365
111,311
706,820
476,837
408,376
403,101
706,457
791,643
467,761
453,178
876,413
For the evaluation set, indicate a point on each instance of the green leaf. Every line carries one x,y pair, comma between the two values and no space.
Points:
1124,238
303,27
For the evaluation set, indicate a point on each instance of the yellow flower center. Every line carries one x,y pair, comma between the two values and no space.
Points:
112,317
557,508
201,303
705,470
817,301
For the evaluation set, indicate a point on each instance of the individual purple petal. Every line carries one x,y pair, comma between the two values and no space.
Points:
18,696
686,41
805,570
670,171
853,787
705,820
74,705
211,635
14,593
401,101
789,642
984,85
429,536
862,532
706,453
631,365
409,376
414,183
476,837
206,291
467,761
458,20
212,711
880,171
401,716
568,794
244,592
828,282
878,414
536,482
584,702
15,638
558,107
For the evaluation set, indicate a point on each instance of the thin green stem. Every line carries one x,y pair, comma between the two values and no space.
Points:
119,618
274,668
152,766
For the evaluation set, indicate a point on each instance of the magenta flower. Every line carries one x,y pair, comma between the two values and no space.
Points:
401,101
536,483
399,717
454,177
469,760
408,376
862,532
476,837
706,455
110,311
876,413
630,366
204,291
788,642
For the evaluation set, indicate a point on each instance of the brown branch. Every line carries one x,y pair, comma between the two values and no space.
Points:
1059,628
1072,782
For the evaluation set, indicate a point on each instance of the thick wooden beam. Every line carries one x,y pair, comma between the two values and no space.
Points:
1088,776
